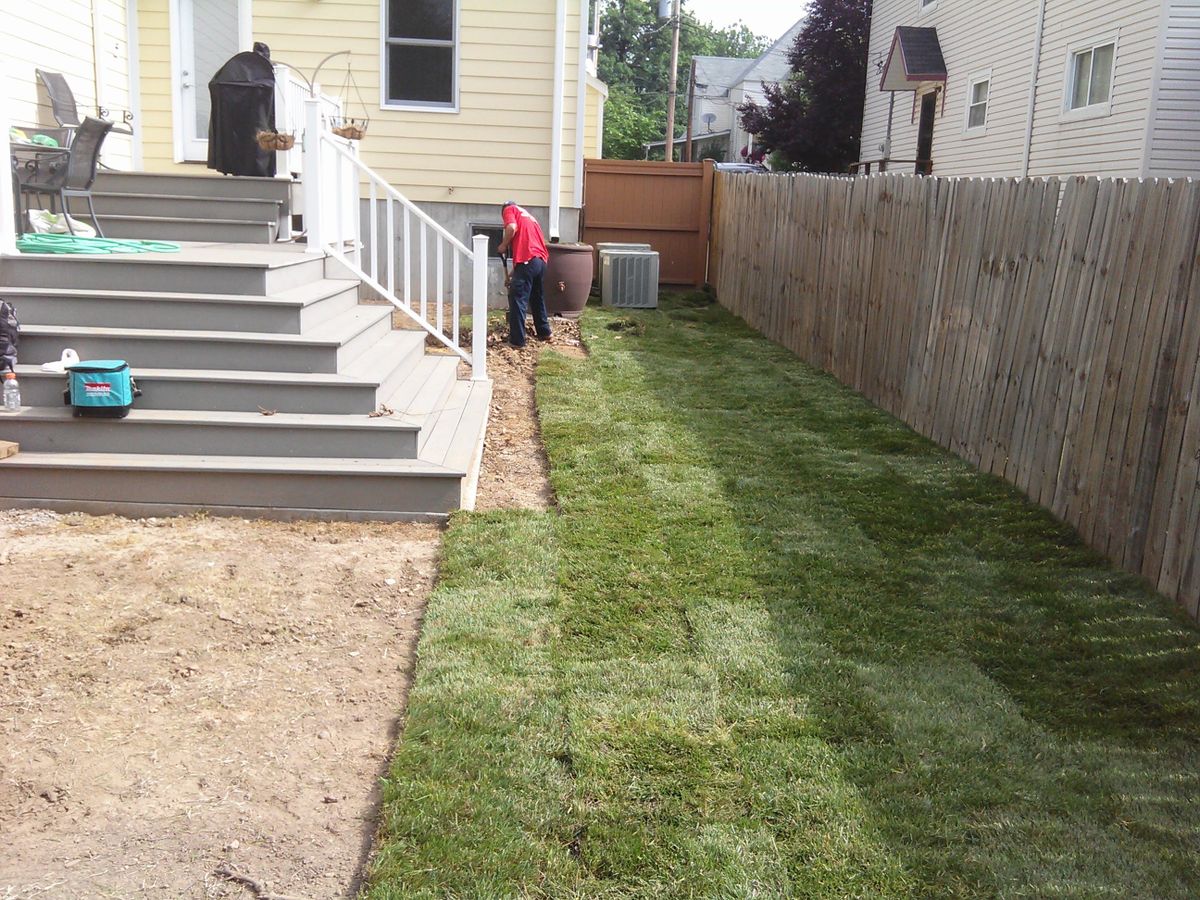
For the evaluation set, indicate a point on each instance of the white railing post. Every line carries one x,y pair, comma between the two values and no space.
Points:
8,221
479,307
313,214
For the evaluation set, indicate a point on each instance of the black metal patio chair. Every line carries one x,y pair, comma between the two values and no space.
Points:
64,108
65,172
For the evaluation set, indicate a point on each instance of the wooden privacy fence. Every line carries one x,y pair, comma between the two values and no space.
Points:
665,205
1048,333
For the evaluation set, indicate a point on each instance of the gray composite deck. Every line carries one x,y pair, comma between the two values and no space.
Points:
260,370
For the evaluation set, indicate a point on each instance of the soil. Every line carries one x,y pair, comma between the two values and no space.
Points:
182,696
515,472
202,708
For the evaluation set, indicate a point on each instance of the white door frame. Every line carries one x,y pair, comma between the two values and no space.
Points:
187,149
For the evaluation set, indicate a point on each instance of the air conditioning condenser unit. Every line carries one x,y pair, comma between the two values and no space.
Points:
629,278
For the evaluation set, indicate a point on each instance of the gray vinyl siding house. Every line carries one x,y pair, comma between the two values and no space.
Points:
1038,88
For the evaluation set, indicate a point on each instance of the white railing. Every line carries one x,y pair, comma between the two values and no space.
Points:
291,90
407,257
8,224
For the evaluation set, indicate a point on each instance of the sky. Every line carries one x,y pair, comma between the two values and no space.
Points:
770,18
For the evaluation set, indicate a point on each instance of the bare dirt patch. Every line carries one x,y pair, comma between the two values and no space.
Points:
515,473
181,696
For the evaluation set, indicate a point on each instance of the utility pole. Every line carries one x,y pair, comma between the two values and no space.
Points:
669,154
691,112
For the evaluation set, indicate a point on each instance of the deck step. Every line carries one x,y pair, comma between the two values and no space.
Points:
213,433
326,348
199,185
288,312
183,206
252,486
173,228
426,386
390,361
233,391
203,268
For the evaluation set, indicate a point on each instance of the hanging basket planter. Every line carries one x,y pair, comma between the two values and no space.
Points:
276,140
348,127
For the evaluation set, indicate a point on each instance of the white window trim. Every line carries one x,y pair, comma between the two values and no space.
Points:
978,130
384,103
923,7
1093,110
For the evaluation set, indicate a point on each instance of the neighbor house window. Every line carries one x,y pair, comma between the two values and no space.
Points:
420,53
1091,76
979,92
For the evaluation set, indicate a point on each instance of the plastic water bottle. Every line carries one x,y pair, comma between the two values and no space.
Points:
12,393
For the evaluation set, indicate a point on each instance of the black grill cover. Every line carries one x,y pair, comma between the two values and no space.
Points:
243,104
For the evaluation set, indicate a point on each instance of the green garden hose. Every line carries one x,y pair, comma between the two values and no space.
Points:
71,243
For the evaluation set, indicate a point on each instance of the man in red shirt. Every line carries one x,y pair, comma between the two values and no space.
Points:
525,286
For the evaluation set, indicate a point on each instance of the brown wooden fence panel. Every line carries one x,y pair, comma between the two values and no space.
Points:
1047,333
666,205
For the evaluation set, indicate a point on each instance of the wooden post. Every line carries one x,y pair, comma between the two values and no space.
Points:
672,90
479,307
312,173
706,206
691,112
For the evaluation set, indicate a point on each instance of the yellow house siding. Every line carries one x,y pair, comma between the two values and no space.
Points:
593,144
497,145
63,36
154,54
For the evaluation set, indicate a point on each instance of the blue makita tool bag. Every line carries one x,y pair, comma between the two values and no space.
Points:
102,388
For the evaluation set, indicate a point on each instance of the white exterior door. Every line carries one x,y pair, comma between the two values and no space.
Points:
205,34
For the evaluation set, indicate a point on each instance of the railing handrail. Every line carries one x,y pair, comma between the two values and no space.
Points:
397,196
346,184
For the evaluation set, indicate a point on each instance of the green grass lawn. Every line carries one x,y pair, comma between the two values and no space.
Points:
775,644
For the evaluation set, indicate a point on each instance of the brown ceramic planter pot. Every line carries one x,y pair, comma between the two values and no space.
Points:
568,279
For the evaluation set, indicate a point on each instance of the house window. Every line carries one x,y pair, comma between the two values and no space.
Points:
979,91
420,53
1091,76
926,5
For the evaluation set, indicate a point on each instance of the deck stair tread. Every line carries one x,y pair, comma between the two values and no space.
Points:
190,253
333,333
298,297
443,436
317,421
185,220
218,376
425,387
203,198
393,345
297,465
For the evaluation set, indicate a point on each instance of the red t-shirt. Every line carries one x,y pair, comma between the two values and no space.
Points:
528,242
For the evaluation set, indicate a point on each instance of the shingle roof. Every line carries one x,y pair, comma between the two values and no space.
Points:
721,73
916,56
773,65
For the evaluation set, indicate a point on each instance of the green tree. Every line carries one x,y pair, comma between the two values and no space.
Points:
635,60
813,121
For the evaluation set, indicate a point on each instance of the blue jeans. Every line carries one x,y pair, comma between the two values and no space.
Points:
525,292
